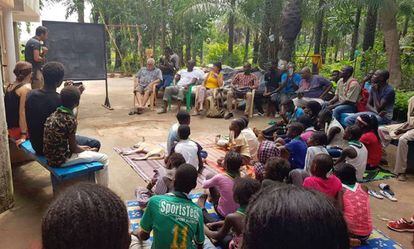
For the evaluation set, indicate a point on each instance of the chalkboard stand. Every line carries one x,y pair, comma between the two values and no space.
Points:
107,104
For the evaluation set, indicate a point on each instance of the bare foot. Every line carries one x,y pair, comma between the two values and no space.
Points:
201,202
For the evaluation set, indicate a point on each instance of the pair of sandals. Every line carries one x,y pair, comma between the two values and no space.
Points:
385,191
136,111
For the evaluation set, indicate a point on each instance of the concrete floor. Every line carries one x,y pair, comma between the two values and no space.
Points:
20,226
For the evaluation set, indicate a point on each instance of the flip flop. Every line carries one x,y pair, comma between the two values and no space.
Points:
374,193
386,187
388,195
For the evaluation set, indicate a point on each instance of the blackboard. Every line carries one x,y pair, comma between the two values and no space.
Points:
80,47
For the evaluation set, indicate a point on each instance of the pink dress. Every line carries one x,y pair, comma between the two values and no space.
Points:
329,186
357,210
224,184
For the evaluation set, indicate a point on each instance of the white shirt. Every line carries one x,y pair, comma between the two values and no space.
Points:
252,141
187,77
338,139
189,150
310,155
360,161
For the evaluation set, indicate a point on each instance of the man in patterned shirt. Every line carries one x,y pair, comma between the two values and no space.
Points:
241,87
59,138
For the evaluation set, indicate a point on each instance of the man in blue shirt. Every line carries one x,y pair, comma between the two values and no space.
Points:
294,147
381,100
289,85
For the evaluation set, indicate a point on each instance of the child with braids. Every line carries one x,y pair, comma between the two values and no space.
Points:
371,139
243,190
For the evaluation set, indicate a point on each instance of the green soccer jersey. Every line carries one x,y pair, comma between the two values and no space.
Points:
175,220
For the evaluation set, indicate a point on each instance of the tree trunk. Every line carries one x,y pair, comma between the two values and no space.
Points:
355,33
275,28
81,10
231,22
6,180
187,47
388,13
246,45
256,45
118,59
370,28
324,44
405,28
318,35
163,14
291,25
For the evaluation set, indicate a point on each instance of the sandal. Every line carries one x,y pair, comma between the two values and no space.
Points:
375,194
388,195
386,187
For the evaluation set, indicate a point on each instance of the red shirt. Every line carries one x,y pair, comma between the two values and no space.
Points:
329,186
370,140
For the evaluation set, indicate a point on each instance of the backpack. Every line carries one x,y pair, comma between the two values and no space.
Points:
216,104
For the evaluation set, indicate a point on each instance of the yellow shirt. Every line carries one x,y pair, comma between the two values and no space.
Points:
212,81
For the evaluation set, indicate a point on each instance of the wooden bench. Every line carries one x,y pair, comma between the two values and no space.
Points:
66,175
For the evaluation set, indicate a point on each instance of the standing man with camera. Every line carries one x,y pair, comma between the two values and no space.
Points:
35,53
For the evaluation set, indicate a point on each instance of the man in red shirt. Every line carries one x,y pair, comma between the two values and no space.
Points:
241,87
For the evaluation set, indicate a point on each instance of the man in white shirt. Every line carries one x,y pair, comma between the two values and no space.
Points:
184,79
190,150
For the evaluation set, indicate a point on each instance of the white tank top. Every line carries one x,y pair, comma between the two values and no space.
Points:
360,161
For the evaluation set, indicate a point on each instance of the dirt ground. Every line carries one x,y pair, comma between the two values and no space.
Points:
33,192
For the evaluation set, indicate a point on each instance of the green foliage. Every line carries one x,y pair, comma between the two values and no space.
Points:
218,52
401,103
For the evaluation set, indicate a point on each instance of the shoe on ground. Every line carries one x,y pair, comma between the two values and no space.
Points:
401,225
259,114
387,195
402,177
374,193
161,111
229,116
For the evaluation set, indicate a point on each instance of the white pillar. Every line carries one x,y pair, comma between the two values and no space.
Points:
6,180
10,47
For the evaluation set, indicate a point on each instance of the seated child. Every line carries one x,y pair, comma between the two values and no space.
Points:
59,141
267,149
276,172
334,131
295,218
221,186
250,137
371,139
356,153
294,148
238,140
289,114
183,118
177,222
107,228
244,189
312,110
316,145
189,149
162,182
320,181
307,123
355,204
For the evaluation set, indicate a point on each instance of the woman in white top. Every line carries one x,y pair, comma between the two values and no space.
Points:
251,138
356,153
316,145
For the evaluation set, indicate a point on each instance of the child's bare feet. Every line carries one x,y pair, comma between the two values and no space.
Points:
201,202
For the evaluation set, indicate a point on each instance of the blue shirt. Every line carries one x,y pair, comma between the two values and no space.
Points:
295,79
386,94
297,113
297,153
368,86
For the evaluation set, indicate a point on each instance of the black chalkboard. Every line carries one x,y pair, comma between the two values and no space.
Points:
80,47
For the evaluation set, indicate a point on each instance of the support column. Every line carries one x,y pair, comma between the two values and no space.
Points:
6,181
10,47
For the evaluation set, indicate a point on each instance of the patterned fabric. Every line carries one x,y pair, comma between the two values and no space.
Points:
146,76
242,80
357,211
58,127
267,149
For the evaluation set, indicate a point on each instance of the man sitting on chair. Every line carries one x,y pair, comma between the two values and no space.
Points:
241,87
184,79
144,83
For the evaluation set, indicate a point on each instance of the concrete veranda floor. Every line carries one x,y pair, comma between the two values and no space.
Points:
33,193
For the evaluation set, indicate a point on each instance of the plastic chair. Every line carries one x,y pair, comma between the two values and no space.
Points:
188,98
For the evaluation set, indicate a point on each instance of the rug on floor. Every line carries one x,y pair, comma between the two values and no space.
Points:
377,175
377,240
